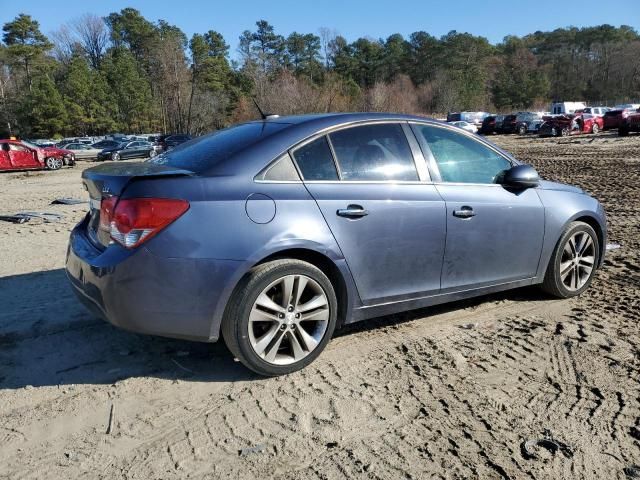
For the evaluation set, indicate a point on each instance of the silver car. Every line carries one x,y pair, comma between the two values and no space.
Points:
82,151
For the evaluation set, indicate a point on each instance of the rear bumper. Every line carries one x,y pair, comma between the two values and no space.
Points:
141,292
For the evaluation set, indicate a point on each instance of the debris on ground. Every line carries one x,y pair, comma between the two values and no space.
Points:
14,219
468,326
67,201
112,417
632,471
613,246
260,448
22,217
529,447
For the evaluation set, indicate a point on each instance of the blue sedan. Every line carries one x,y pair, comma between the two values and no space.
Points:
274,233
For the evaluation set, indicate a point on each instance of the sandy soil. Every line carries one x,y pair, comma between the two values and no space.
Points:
448,392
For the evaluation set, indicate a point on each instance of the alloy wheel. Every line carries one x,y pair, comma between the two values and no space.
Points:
288,319
577,261
54,163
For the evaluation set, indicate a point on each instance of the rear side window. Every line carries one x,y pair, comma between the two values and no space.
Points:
460,158
204,152
376,152
315,160
283,170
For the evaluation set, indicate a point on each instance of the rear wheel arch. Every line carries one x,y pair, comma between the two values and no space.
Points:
326,265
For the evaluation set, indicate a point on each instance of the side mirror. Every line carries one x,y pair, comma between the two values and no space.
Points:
521,176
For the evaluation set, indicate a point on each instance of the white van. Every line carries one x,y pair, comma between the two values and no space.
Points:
566,108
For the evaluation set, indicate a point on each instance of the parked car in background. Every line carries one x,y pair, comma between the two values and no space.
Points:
42,142
102,144
23,155
566,108
124,150
528,122
491,124
617,115
475,118
509,124
347,222
597,111
170,141
564,125
469,127
82,151
630,124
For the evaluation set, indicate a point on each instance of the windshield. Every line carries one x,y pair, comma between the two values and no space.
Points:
30,145
202,153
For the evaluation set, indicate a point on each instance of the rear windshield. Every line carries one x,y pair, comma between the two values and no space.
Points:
202,153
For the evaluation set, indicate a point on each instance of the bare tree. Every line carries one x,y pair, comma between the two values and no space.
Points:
92,35
64,43
327,36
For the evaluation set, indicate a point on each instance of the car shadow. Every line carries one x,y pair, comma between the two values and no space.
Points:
47,338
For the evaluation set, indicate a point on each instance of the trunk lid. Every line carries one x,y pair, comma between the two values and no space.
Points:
111,179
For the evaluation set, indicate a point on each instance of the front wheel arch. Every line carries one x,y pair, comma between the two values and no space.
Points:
593,223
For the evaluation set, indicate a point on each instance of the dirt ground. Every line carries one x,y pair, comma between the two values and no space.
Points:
447,392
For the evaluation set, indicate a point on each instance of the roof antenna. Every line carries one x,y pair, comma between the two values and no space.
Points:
264,116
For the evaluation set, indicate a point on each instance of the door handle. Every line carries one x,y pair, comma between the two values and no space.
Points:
352,211
464,212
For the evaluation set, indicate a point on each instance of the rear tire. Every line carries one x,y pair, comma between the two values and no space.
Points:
566,274
522,130
595,129
290,346
623,132
115,156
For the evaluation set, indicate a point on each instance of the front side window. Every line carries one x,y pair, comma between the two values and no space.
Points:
17,148
315,160
460,158
374,153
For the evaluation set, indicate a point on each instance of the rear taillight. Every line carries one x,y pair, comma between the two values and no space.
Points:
133,221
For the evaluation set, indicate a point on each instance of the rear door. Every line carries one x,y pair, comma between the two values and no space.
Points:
386,215
494,235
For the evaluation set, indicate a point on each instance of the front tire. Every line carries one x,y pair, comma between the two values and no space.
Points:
595,128
53,163
573,262
280,317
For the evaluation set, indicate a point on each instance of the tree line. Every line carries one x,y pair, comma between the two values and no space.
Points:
122,72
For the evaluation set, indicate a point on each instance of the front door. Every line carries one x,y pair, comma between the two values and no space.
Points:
389,224
21,157
5,162
494,235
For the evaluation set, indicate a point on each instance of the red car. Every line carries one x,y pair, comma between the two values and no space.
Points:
23,155
615,118
563,125
630,124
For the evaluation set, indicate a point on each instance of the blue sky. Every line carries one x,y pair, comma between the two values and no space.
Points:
350,18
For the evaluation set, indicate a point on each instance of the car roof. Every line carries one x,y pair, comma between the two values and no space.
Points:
298,128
